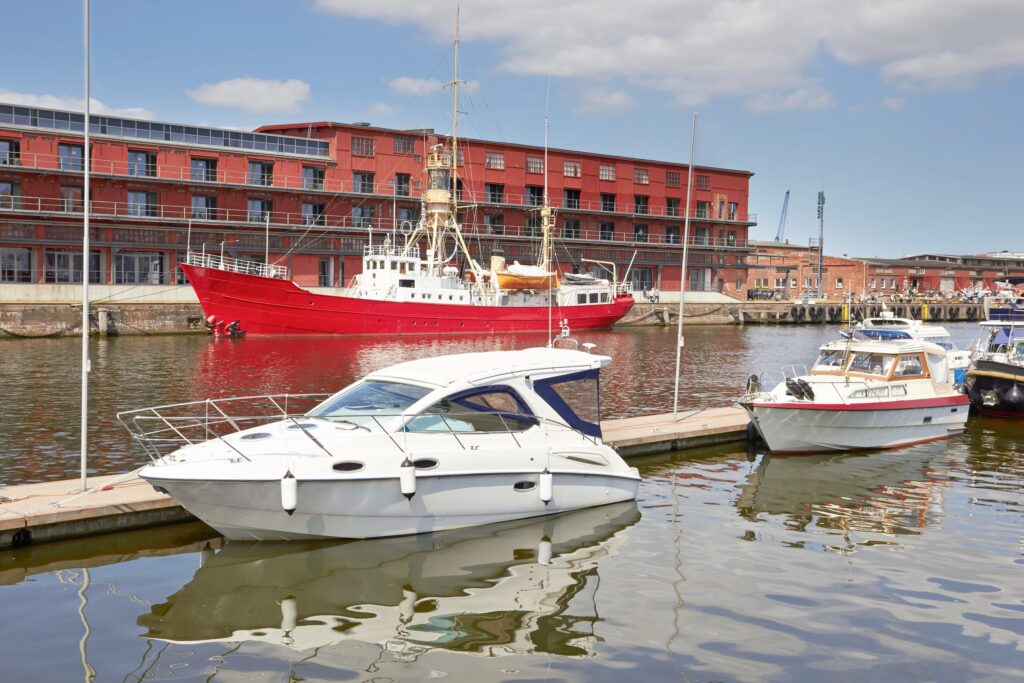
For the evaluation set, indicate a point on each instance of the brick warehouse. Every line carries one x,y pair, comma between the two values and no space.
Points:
326,188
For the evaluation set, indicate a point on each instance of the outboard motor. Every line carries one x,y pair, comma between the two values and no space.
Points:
794,389
211,324
234,330
806,389
753,384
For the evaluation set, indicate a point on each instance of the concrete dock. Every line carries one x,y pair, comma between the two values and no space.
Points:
54,511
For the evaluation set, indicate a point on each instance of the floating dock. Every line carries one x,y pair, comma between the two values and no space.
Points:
54,511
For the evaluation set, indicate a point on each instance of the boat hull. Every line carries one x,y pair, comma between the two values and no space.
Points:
996,389
274,306
806,428
251,510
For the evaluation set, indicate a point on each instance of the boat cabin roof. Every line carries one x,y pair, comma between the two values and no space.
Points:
490,366
889,347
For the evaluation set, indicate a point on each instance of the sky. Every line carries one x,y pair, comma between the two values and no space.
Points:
906,113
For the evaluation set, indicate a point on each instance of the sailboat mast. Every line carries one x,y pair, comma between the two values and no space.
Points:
85,260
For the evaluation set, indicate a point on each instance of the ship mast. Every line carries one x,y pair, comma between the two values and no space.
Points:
546,214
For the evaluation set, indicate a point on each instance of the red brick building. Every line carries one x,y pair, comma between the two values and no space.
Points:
788,270
326,188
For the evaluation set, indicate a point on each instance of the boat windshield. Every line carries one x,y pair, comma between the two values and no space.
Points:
370,398
830,361
943,340
871,363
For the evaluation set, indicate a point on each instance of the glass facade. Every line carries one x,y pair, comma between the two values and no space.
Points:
15,264
70,157
139,268
203,170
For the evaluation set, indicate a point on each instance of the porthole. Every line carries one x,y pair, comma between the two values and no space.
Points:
425,464
303,425
255,436
347,466
524,485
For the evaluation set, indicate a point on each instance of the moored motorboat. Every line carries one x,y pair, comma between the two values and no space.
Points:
425,445
861,394
888,326
995,382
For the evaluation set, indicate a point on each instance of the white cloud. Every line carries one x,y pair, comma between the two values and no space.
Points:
381,109
406,85
600,100
253,94
694,50
808,97
894,103
72,103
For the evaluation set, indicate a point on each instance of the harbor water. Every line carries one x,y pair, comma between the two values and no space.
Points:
903,565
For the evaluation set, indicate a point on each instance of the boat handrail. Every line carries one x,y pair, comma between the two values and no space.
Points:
245,267
161,430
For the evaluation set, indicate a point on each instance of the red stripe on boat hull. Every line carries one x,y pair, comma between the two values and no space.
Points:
954,400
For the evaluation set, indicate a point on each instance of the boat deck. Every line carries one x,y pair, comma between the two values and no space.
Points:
53,511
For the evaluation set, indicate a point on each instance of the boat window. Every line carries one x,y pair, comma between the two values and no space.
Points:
871,363
909,365
872,392
885,334
593,297
830,361
487,409
604,297
942,340
370,398
581,298
576,398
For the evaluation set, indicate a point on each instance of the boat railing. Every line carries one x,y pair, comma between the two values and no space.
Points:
218,262
161,430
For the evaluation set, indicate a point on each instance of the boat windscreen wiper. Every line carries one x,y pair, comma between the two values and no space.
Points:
341,420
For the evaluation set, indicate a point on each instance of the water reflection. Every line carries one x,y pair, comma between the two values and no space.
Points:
514,588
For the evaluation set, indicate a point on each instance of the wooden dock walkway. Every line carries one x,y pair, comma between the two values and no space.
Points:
53,511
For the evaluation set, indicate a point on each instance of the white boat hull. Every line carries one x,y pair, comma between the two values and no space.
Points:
800,429
376,508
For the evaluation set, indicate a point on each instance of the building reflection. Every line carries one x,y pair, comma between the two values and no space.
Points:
511,588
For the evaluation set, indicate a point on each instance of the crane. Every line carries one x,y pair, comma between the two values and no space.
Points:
782,218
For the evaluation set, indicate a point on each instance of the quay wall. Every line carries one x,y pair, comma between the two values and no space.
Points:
776,312
55,320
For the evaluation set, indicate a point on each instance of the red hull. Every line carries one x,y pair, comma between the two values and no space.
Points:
271,306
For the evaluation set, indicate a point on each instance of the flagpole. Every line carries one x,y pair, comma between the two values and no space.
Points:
85,261
682,272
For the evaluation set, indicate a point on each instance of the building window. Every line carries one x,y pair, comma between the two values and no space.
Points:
703,182
494,224
780,283
702,209
142,204
204,170
533,228
402,183
313,214
362,181
534,195
640,232
792,283
70,198
362,216
730,240
406,215
138,268
571,228
495,160
65,266
607,231
872,283
204,207
642,278
698,283
312,178
671,206
259,210
15,264
606,172
142,164
10,152
641,204
672,234
733,206
892,283
571,169
534,165
641,176
325,271
671,178
70,157
404,144
571,199
362,147
9,195
494,193
261,173
607,202
839,283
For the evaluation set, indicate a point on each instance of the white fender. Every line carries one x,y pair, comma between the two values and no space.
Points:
289,614
407,479
289,492
205,555
547,486
407,606
544,551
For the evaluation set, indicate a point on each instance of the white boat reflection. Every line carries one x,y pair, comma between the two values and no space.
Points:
515,587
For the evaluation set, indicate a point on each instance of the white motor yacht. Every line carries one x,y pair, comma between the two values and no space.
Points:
861,393
887,326
425,445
